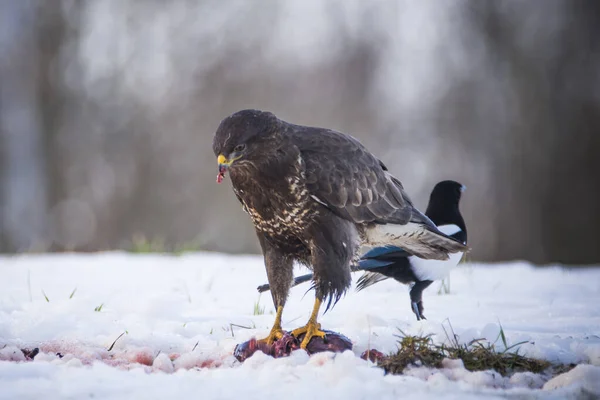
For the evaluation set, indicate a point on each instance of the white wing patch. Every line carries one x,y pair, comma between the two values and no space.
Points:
434,270
450,229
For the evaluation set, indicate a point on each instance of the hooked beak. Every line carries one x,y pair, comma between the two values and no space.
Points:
224,164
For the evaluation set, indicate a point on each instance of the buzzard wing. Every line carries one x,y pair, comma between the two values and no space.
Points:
345,177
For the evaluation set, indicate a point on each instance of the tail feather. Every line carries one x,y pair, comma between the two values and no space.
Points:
301,279
369,264
297,281
369,279
420,239
380,251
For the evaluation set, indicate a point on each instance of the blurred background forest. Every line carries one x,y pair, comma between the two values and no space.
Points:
108,109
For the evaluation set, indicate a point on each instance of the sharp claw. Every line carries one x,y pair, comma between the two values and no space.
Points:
274,335
310,330
415,308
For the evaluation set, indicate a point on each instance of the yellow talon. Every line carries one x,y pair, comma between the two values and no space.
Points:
312,328
276,331
275,334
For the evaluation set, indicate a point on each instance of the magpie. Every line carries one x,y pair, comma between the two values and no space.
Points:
386,262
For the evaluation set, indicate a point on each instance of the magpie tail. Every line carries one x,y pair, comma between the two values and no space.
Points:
369,279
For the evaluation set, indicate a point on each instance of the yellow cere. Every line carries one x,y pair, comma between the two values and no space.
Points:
221,159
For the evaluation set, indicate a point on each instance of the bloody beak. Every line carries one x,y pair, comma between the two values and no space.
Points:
223,166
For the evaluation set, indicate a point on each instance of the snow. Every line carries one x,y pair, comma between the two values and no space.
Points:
181,317
582,377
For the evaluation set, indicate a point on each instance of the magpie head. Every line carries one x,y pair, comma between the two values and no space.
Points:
447,193
443,204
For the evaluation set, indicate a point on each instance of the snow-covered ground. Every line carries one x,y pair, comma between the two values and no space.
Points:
196,308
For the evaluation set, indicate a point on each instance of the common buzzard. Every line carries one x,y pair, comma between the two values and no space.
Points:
315,196
386,262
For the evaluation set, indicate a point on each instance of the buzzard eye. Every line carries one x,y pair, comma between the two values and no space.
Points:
239,147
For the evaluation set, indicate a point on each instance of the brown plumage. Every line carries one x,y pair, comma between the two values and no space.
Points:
315,196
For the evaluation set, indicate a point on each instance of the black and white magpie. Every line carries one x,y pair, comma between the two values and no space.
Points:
382,263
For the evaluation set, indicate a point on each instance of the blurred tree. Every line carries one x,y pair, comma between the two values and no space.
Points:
107,112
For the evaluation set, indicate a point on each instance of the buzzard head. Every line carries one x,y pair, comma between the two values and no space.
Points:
241,138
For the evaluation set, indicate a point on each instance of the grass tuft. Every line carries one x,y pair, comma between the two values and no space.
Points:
477,355
46,297
258,310
480,356
140,244
72,293
417,350
99,308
